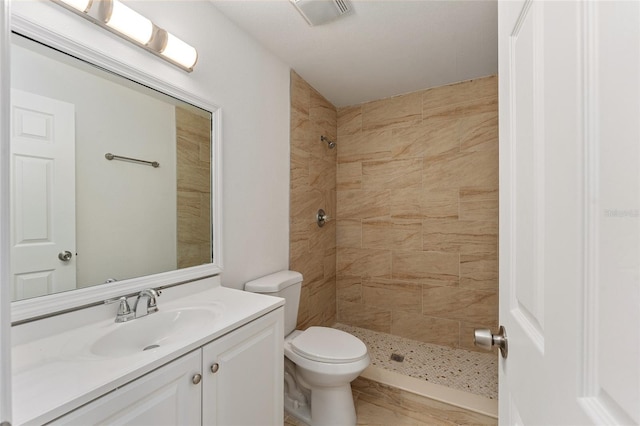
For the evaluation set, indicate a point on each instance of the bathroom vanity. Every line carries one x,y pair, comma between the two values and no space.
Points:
203,358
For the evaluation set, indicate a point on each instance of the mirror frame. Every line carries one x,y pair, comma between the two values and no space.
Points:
31,309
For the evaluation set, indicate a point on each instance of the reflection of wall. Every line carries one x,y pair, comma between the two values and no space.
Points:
126,215
313,186
418,213
193,163
250,83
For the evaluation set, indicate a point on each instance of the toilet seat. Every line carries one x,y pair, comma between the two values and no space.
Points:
328,345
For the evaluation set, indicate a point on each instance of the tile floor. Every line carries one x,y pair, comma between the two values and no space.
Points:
370,414
392,410
469,371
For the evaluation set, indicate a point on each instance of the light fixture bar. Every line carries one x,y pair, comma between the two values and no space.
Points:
79,5
127,21
179,51
115,16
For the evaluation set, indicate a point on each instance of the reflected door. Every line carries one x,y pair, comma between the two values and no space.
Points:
570,212
43,238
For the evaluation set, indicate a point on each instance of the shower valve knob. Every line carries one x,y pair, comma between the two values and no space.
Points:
485,340
322,218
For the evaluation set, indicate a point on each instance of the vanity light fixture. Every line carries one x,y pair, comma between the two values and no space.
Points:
79,5
179,51
127,21
120,19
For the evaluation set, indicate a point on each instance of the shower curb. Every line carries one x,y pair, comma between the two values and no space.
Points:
429,391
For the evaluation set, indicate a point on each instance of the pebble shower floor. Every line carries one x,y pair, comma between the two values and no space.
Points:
460,369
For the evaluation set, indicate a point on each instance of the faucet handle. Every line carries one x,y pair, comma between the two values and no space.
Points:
124,310
153,306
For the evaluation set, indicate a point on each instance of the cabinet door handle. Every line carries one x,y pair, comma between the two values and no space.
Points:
196,379
215,367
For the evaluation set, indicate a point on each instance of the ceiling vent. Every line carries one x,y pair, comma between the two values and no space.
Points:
318,12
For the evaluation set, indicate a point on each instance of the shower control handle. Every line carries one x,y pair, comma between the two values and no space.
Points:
321,218
485,340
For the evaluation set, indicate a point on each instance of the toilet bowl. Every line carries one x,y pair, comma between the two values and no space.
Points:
322,361
327,361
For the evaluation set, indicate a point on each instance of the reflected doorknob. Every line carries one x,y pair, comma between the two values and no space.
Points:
65,256
485,340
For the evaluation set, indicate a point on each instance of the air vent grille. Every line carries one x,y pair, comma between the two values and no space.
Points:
318,12
343,7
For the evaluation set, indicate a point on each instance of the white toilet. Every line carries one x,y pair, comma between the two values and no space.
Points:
320,362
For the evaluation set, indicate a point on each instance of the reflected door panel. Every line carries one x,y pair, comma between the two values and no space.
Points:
42,195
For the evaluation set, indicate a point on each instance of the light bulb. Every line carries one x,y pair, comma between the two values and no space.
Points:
179,51
81,5
129,22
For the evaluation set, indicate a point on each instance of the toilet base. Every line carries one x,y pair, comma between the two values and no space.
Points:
296,396
332,406
300,412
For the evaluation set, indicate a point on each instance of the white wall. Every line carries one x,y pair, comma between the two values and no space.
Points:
125,212
251,86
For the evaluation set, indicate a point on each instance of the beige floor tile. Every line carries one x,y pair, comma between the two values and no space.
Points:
372,414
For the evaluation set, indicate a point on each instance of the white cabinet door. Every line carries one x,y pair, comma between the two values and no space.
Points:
570,212
166,396
243,375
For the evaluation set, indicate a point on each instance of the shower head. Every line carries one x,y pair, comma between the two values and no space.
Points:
329,142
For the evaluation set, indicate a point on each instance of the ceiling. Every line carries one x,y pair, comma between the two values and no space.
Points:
381,49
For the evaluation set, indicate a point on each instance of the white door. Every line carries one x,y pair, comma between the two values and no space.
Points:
43,239
570,212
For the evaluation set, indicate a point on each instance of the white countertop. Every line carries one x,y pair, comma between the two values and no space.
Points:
55,374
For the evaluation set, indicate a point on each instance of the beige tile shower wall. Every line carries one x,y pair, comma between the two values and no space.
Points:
313,186
417,218
193,164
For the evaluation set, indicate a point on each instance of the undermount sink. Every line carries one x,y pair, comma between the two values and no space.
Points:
152,331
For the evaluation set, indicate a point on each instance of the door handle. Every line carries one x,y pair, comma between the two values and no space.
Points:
483,339
65,256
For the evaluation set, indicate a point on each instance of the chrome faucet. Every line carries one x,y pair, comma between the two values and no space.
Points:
149,305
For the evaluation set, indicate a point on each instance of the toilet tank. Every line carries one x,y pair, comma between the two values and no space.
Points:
285,284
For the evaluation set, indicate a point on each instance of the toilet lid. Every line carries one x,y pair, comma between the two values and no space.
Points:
328,345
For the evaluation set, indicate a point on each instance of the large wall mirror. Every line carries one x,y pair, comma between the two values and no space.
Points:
111,180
